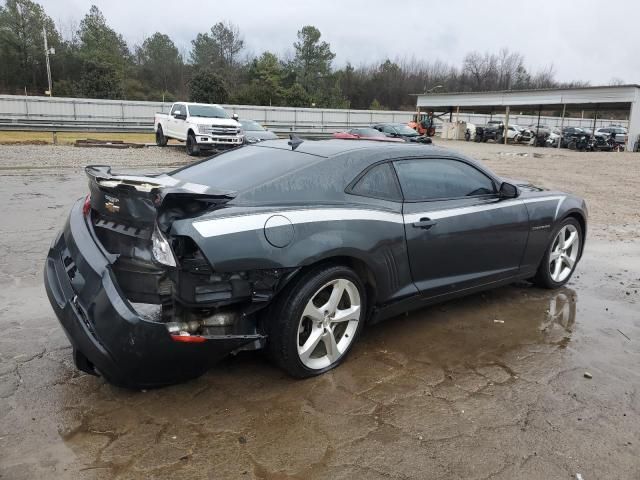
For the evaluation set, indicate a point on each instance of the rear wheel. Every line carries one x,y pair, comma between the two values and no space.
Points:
161,140
192,145
561,257
317,320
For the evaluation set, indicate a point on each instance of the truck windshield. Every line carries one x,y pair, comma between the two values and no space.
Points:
208,111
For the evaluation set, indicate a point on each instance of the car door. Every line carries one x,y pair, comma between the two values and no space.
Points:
175,123
460,232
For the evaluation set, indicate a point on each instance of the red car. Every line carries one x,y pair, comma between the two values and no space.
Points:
366,134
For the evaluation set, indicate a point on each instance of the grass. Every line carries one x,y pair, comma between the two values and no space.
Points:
69,138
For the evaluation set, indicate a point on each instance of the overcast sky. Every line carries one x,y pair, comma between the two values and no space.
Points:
593,41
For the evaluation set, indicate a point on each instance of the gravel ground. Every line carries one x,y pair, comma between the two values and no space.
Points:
445,392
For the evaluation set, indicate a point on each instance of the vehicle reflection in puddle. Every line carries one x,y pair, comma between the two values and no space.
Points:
476,329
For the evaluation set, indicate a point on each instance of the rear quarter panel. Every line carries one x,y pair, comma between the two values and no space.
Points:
351,232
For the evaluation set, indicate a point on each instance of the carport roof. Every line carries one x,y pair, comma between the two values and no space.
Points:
619,97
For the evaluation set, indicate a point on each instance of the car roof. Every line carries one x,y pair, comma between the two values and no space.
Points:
335,147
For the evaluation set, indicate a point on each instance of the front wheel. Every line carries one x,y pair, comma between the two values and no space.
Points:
562,255
316,321
192,145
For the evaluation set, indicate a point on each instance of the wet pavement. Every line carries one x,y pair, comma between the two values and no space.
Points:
490,386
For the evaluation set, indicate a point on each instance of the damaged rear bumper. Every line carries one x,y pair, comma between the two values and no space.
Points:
107,334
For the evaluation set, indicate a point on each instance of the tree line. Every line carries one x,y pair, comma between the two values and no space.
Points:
94,61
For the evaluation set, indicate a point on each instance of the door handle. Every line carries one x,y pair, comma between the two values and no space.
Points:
424,223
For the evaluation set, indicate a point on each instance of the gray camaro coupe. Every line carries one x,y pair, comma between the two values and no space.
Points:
293,247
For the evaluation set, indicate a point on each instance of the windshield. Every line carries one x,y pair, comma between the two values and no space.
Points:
207,111
405,130
367,132
251,126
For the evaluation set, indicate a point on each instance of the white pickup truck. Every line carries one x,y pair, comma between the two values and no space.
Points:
202,126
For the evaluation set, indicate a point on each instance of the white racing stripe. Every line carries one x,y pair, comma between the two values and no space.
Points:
245,223
455,212
256,221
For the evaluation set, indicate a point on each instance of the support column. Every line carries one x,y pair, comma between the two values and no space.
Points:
506,126
595,119
634,123
457,121
564,111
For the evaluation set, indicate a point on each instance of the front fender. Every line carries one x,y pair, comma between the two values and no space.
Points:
544,217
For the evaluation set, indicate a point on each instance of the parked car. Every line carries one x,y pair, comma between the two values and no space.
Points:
514,133
554,138
619,134
291,246
202,126
253,132
493,130
402,131
366,133
574,138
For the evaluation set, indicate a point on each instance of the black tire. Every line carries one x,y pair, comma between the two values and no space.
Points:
543,275
192,145
285,318
161,140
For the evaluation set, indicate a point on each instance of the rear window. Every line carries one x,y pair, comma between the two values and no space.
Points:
379,182
245,167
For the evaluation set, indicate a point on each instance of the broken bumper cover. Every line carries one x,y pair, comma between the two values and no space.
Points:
107,334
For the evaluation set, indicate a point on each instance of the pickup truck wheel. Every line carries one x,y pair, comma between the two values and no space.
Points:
192,145
316,321
161,140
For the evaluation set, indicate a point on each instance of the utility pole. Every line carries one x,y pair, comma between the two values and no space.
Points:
47,52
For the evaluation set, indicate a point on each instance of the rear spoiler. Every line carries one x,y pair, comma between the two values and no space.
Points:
147,198
160,184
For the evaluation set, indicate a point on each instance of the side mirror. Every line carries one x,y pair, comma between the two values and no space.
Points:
508,191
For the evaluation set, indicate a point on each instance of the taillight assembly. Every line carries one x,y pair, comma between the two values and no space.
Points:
86,206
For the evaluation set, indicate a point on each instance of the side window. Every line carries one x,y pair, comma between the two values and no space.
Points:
177,108
388,129
433,179
379,182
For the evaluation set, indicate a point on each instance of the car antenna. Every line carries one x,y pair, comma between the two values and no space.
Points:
294,141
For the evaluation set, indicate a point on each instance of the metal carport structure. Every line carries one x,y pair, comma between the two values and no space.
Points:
623,98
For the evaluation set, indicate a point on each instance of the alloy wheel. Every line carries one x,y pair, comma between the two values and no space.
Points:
564,253
329,323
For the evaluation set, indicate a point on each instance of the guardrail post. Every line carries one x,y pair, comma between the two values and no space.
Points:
122,110
75,116
26,105
322,120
